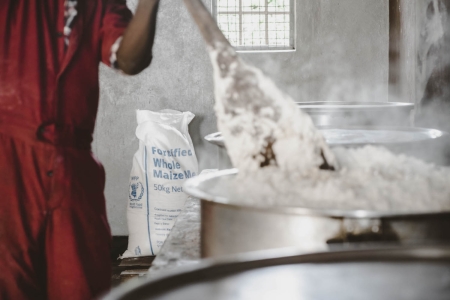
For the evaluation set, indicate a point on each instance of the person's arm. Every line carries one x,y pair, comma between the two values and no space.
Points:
135,50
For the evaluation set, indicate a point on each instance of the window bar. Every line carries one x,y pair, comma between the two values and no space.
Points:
252,13
240,22
262,12
292,30
267,22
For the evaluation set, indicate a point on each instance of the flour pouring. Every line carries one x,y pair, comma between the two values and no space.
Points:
261,125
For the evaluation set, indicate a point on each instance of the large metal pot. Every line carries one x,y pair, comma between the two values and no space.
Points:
399,273
230,228
359,113
341,115
430,145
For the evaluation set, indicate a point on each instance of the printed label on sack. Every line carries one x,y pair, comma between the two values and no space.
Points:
165,175
170,169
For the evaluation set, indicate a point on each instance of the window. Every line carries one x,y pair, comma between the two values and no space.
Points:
256,24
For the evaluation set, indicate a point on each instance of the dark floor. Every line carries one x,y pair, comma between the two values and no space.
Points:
124,269
119,245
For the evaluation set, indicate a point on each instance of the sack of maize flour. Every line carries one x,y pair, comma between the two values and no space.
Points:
165,159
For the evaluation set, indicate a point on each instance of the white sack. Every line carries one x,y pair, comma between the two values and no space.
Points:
165,159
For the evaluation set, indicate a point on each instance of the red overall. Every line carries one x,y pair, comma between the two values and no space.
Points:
54,235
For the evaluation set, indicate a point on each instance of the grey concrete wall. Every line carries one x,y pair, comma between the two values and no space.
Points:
341,54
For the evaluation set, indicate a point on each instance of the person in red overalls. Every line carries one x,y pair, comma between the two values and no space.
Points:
54,235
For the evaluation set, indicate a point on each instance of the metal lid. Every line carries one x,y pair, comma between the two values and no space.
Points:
335,106
399,273
363,135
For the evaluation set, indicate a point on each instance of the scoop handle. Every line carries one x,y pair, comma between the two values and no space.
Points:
205,22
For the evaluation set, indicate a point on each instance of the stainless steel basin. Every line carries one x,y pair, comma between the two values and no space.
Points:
359,113
229,228
430,145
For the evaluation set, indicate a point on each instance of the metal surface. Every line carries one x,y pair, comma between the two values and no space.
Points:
215,139
230,228
338,114
366,135
363,135
399,273
182,246
358,113
430,145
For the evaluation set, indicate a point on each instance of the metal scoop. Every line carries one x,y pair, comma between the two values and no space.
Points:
261,125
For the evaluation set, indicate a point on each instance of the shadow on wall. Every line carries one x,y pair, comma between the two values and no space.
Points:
433,63
194,126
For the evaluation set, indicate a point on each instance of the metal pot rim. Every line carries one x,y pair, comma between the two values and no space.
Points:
232,264
351,106
216,138
191,187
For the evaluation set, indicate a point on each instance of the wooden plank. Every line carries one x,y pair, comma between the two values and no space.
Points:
130,274
142,261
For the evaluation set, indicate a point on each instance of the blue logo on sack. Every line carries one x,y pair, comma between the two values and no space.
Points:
136,191
137,251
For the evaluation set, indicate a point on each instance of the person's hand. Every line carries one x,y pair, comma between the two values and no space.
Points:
135,51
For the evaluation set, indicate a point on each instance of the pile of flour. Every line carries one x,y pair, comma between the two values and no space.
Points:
369,178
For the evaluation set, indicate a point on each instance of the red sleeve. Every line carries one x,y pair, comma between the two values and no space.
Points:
115,21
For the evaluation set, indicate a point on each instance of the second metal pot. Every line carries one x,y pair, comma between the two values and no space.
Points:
347,113
229,228
430,145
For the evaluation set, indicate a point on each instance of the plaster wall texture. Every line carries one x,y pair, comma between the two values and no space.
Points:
341,54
